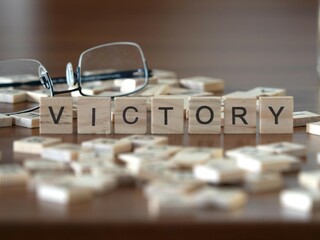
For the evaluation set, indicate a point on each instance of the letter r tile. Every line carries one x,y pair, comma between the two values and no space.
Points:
240,115
167,115
276,115
56,115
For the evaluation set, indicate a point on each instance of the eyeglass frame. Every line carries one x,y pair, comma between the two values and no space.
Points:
73,79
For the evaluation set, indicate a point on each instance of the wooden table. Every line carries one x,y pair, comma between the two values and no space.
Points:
248,43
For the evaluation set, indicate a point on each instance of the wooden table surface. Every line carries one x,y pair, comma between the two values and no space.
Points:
247,43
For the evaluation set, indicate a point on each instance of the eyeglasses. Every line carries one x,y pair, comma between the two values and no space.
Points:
111,70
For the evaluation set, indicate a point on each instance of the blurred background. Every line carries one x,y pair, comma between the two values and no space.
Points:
265,42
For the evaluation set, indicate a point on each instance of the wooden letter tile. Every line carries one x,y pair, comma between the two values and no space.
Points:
204,115
146,140
276,115
240,115
63,152
167,116
56,115
94,115
130,115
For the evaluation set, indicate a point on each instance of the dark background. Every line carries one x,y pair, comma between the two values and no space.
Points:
265,42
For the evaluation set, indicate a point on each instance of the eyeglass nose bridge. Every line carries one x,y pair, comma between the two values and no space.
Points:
44,77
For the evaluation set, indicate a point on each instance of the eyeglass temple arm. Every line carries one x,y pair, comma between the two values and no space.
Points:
116,75
95,77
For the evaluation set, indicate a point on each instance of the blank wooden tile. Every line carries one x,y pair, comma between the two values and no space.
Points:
130,115
34,144
240,115
56,116
301,118
5,121
276,115
204,115
160,73
202,83
28,120
35,95
63,152
12,175
313,128
93,115
8,95
167,116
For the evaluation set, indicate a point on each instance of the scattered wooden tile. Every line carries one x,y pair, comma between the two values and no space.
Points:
42,165
310,179
264,161
9,95
191,156
204,115
130,115
313,128
300,199
63,192
164,151
160,73
167,116
263,182
56,115
94,115
146,140
203,83
5,121
113,146
35,95
240,116
64,152
301,118
154,90
220,198
28,120
12,175
291,148
276,115
219,171
34,144
265,92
